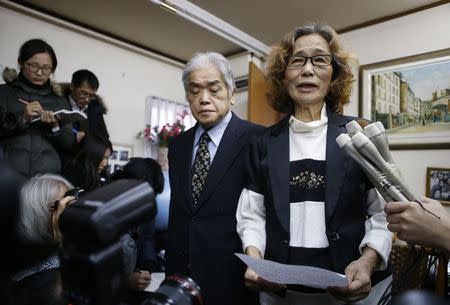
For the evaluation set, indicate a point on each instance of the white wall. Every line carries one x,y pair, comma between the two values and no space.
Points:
126,77
414,34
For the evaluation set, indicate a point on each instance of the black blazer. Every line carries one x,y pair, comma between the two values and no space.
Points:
202,241
345,192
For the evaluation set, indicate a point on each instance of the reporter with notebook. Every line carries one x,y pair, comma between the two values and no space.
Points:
81,94
32,147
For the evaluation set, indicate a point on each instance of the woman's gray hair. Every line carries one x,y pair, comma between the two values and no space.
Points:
37,196
205,59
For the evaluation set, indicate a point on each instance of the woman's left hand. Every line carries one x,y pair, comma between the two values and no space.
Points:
48,117
139,280
57,210
358,274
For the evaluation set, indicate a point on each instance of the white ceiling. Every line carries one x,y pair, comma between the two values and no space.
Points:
144,24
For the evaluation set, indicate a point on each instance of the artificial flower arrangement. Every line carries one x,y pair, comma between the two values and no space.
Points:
162,136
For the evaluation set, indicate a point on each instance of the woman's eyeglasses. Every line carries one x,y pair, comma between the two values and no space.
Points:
34,67
298,61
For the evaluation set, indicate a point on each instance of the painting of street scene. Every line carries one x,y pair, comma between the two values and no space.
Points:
413,102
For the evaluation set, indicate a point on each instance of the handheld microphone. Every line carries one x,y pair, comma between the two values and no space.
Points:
353,127
368,149
379,139
386,189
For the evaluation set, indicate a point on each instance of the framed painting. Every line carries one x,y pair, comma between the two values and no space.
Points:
438,184
120,155
411,97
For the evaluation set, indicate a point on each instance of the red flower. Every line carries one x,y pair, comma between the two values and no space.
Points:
166,133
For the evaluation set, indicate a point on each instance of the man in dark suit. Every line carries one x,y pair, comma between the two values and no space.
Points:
207,174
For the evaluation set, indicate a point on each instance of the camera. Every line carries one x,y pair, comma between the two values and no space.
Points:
75,192
91,254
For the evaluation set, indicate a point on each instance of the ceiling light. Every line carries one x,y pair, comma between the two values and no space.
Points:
210,22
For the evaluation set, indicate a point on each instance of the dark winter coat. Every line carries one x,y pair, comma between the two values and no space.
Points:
30,148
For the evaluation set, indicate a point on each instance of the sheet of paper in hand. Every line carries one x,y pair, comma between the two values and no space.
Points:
65,116
293,274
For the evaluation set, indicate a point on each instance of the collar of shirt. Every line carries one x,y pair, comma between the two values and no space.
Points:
300,126
215,133
75,106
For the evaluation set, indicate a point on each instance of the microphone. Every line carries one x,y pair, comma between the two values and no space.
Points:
379,165
353,127
386,189
368,149
379,139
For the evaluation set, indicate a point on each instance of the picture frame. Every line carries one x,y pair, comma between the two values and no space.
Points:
438,184
120,156
411,97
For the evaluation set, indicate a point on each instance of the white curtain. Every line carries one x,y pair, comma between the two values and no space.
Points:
160,111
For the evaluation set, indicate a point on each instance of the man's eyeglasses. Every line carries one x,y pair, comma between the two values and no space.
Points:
34,67
298,61
84,94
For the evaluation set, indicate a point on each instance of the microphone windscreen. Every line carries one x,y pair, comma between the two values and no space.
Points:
380,126
343,139
379,139
353,127
360,139
372,130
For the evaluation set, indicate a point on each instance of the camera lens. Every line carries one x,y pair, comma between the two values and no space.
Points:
176,290
75,192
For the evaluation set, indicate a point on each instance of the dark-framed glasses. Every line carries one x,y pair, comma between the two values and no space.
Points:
34,67
298,61
84,94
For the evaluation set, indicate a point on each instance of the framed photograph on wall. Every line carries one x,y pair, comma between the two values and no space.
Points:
438,184
411,97
119,157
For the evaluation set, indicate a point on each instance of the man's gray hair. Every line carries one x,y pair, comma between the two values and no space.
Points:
37,195
205,59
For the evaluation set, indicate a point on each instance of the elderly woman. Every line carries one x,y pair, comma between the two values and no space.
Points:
306,203
29,146
43,200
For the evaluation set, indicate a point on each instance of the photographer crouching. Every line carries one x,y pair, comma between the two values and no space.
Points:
75,257
38,280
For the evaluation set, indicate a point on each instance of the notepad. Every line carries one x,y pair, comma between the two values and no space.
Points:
65,116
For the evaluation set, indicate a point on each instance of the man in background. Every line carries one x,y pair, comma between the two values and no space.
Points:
81,94
207,174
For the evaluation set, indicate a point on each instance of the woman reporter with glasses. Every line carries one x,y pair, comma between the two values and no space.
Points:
30,135
305,202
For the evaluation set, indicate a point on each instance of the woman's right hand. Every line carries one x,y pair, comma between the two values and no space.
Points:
32,110
253,280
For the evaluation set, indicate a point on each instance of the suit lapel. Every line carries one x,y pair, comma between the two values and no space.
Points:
335,163
230,146
278,165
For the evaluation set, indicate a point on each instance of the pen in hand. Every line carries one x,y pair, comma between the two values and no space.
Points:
32,110
23,101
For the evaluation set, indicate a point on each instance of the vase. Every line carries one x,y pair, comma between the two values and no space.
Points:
162,158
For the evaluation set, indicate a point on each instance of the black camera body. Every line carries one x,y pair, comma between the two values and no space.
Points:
91,255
